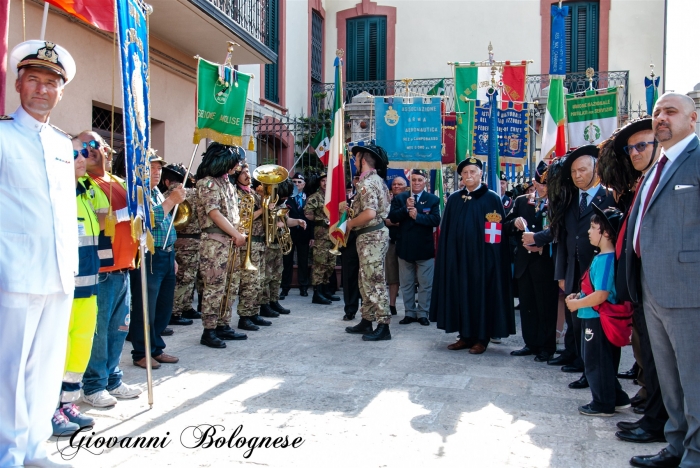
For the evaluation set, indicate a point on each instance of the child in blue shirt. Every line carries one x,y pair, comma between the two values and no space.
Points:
600,357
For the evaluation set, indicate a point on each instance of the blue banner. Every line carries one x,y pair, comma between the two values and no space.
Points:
133,54
410,130
652,86
493,176
512,132
557,47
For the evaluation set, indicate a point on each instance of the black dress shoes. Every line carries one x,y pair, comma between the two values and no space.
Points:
663,459
284,293
570,368
639,436
544,356
167,332
392,309
524,351
179,320
303,291
639,409
561,360
580,383
424,321
630,374
406,320
637,401
192,314
628,425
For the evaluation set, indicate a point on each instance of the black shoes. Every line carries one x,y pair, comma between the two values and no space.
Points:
424,321
630,374
192,314
266,311
319,298
244,323
524,351
406,320
570,368
580,383
303,291
210,339
392,309
637,401
586,410
380,334
348,317
277,307
326,291
284,293
639,436
628,425
561,360
179,320
663,459
257,320
543,356
225,332
167,332
365,326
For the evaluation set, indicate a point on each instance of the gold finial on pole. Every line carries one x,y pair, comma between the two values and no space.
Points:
494,68
229,54
589,74
406,83
339,53
651,65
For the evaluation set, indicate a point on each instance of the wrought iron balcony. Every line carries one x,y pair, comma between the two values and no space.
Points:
324,93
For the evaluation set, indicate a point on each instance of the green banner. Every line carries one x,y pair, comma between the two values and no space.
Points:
222,93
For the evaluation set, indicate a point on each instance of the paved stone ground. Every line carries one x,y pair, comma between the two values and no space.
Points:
400,403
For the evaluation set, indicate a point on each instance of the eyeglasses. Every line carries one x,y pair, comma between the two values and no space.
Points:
94,144
641,146
83,152
298,182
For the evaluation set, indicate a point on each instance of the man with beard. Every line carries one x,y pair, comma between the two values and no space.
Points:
471,285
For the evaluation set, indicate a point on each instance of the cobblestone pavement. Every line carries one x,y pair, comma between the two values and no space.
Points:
400,403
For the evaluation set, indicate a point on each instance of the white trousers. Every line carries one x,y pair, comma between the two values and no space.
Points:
33,338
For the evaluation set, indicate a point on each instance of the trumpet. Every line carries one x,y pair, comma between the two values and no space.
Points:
269,175
246,209
284,237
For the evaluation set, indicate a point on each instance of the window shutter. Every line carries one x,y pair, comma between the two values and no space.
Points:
316,47
581,28
272,70
366,48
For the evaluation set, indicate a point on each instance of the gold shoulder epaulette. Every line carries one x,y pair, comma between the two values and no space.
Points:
68,135
6,117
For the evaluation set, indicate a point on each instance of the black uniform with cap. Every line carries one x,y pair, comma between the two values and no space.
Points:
300,243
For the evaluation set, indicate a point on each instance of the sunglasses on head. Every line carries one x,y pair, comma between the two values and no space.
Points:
641,146
94,144
83,152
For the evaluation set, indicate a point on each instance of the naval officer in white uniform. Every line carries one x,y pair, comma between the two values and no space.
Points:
38,253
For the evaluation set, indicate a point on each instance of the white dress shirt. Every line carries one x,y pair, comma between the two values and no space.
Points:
38,228
671,154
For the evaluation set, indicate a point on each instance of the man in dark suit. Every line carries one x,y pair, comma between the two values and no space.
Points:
300,240
417,212
575,252
534,272
663,232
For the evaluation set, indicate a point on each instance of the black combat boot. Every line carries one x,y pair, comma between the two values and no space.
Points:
277,307
365,326
225,332
326,290
210,339
266,311
319,298
192,314
244,323
257,320
381,333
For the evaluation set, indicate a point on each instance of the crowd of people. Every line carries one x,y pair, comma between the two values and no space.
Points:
610,230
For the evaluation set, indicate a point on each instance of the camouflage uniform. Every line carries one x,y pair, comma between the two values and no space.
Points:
272,264
324,261
250,288
373,194
187,258
216,194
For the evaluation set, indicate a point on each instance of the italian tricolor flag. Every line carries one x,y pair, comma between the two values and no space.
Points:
321,145
335,182
553,135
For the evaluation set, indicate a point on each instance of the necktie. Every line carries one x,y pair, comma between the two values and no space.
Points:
650,193
300,201
582,207
415,197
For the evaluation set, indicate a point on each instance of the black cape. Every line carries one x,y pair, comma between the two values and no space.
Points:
472,280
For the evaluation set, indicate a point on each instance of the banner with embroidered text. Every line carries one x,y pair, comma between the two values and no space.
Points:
410,130
591,116
513,135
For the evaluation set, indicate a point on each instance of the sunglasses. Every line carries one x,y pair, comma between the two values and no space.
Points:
641,146
83,152
298,182
94,144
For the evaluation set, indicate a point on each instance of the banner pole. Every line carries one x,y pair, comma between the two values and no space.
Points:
146,321
184,183
43,21
297,160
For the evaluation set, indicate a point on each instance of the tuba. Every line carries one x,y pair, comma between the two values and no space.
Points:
185,215
246,209
269,175
284,237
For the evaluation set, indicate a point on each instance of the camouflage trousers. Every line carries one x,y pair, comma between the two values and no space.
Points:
324,260
272,264
213,260
187,258
371,249
250,288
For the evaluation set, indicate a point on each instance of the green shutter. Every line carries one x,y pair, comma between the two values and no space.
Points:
366,48
272,70
582,36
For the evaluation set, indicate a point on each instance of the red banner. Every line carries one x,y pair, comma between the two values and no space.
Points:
514,84
99,13
449,142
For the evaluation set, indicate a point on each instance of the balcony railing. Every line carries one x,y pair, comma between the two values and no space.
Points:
324,93
250,15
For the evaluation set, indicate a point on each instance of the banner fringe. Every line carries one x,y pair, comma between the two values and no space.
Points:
230,140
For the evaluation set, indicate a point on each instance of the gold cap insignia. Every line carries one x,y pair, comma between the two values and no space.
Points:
472,160
48,53
493,217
